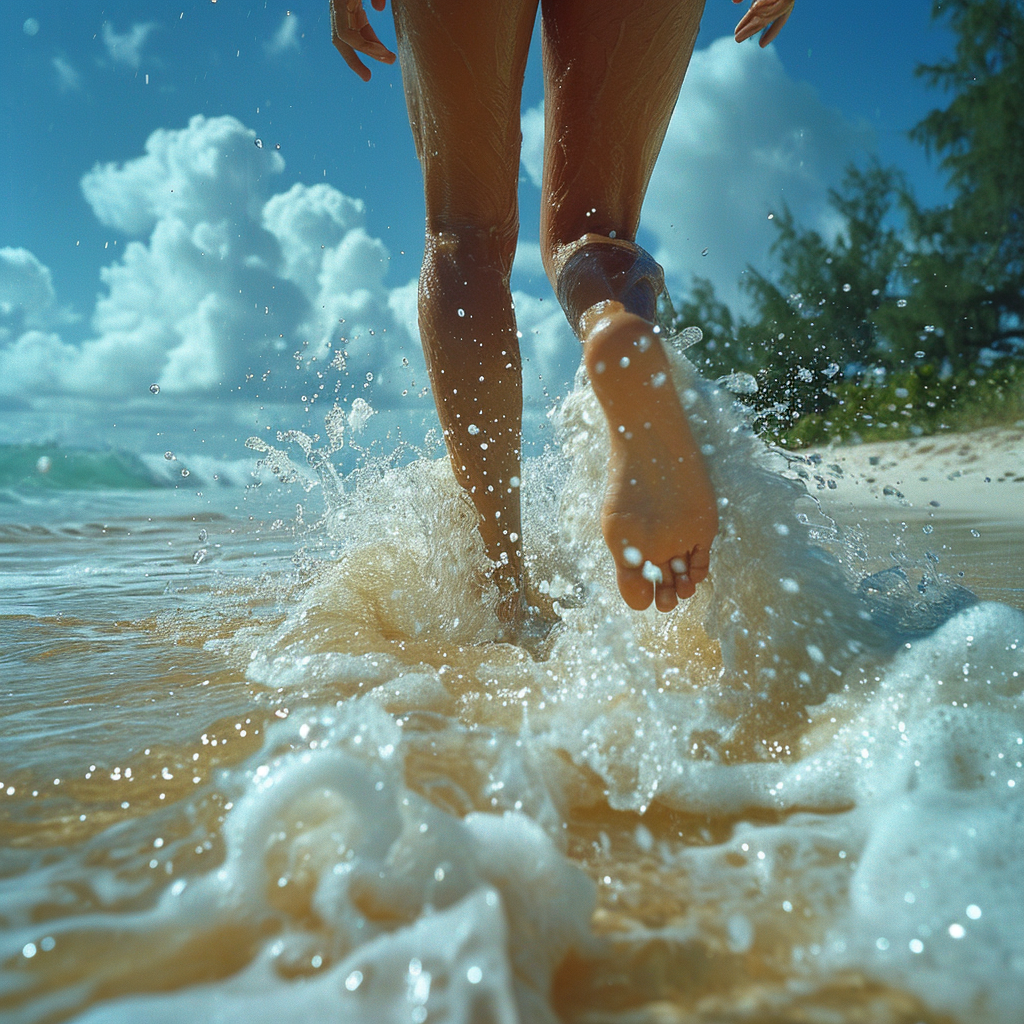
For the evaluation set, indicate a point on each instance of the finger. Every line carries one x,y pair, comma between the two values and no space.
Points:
774,29
366,41
352,60
385,55
750,24
761,14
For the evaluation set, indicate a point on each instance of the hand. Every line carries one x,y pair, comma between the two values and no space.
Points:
771,13
351,31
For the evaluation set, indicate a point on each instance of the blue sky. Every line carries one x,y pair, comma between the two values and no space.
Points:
110,282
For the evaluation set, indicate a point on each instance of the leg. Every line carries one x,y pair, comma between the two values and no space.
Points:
462,68
612,78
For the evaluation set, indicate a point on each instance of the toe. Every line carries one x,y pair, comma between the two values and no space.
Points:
665,592
698,561
636,591
684,587
682,582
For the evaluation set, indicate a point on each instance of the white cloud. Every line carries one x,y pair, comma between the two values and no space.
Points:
26,287
286,37
229,291
225,284
551,352
126,48
27,297
744,138
68,78
208,173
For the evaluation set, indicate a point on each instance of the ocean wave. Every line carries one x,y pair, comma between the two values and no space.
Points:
42,467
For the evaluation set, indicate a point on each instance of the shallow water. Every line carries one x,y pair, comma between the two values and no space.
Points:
276,769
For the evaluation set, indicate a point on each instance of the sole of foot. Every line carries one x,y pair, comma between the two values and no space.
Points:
660,513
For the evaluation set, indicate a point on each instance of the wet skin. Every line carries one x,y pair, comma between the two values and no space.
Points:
612,71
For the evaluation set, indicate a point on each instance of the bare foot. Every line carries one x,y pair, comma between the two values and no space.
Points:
660,514
522,610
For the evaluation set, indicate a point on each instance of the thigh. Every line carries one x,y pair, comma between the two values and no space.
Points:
612,71
462,70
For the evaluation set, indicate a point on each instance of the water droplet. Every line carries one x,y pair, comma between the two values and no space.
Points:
703,252
474,975
154,389
169,456
690,336
259,143
632,556
653,573
738,383
202,536
901,303
927,528
354,980
199,556
473,429
624,362
973,912
957,930
846,287
974,533
462,312
184,472
919,355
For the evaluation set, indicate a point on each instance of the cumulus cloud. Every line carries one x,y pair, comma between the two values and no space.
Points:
26,287
228,288
286,37
228,282
126,48
27,296
68,78
551,352
744,139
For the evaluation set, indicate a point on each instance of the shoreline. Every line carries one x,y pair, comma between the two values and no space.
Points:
976,473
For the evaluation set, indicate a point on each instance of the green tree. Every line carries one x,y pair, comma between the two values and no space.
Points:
900,289
819,315
968,258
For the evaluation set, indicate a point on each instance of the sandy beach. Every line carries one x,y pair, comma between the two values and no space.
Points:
980,473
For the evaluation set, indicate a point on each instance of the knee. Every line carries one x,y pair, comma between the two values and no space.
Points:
486,245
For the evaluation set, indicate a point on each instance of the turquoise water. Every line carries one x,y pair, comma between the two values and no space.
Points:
263,754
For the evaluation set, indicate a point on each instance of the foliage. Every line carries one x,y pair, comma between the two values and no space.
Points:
930,301
913,402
